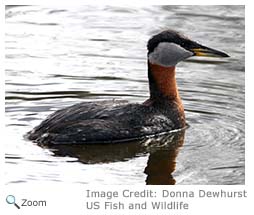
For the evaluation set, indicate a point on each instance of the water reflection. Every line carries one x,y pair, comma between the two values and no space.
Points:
161,162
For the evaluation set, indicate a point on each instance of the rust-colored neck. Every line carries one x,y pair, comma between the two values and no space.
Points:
164,93
162,82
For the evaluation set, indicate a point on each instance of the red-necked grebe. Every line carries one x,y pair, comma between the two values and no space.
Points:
118,121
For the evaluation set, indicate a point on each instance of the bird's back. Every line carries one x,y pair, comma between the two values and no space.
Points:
105,122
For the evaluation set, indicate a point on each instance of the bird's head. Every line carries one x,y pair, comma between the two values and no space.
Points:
170,47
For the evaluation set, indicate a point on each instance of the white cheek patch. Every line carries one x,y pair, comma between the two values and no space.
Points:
168,54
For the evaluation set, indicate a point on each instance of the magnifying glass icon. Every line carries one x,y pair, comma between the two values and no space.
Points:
10,199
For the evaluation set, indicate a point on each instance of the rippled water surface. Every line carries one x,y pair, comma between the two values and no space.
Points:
59,56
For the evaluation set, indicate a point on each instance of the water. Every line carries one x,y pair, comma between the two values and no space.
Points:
59,56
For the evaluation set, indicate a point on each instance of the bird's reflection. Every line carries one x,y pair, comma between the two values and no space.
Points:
162,152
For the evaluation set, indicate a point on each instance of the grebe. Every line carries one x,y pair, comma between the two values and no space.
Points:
119,121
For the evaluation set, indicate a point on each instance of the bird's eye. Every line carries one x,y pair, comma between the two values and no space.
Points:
182,44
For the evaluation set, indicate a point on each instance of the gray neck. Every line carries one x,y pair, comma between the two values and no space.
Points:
168,54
